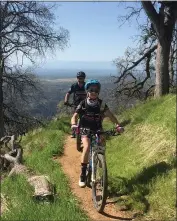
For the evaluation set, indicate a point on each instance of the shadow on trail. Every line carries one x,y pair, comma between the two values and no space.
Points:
115,217
137,187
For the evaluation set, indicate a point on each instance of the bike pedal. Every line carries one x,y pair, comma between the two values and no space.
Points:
80,150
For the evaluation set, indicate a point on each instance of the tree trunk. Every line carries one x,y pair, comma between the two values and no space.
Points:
171,70
1,103
1,82
162,69
163,24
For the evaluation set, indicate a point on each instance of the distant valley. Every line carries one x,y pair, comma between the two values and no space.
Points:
71,73
55,88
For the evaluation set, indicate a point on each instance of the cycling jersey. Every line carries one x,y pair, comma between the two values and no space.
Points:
91,116
79,93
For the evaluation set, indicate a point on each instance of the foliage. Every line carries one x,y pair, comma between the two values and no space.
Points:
141,162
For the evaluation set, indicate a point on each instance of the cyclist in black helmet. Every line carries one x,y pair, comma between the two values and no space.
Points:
78,91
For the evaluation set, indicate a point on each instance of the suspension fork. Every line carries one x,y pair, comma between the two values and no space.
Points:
93,153
93,167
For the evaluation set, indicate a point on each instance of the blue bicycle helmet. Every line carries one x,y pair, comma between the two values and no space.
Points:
92,82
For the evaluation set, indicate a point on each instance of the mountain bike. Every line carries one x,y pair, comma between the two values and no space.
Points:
97,170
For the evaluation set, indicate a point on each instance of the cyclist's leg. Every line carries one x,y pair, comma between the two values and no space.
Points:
86,149
73,132
84,159
78,136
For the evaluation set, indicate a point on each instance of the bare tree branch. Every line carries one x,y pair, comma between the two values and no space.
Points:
137,62
137,68
26,29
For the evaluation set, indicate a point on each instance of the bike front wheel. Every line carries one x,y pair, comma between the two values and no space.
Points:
99,186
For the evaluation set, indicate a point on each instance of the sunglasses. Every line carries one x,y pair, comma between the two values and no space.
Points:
95,90
80,78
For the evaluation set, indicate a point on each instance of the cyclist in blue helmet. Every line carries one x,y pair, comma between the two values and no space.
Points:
92,111
78,91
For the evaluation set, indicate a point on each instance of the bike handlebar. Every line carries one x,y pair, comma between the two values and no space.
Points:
111,132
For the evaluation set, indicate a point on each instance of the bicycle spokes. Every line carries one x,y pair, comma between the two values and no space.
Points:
99,187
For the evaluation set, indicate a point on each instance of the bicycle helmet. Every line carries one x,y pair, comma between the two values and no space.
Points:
81,74
92,82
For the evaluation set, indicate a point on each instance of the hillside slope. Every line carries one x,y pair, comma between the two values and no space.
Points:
40,146
141,167
142,163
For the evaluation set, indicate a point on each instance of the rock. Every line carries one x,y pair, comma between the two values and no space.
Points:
42,186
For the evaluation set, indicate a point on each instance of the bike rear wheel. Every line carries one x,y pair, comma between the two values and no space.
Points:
79,142
99,187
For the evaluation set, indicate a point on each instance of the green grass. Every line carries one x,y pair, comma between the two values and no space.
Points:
141,162
141,165
39,148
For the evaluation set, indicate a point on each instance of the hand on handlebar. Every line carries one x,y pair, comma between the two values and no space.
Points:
119,129
66,103
74,126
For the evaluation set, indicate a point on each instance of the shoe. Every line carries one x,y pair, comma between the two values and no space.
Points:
80,149
82,181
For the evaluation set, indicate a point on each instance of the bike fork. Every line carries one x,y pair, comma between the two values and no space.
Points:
93,168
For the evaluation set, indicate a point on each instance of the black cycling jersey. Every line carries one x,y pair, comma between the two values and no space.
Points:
91,116
79,93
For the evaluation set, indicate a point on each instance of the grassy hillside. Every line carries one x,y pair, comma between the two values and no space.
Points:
39,147
142,163
141,167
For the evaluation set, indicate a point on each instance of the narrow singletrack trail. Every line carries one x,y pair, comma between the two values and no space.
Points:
70,162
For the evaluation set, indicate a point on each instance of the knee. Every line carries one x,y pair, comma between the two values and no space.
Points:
86,148
86,144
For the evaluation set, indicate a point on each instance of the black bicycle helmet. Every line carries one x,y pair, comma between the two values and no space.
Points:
81,74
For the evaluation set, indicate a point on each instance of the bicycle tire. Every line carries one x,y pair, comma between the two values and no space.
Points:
78,142
88,177
100,207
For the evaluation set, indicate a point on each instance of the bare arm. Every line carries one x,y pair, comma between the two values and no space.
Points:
111,116
67,97
74,118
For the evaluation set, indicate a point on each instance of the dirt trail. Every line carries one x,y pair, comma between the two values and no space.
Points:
70,162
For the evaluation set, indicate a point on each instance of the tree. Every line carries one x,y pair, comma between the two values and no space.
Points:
155,43
27,31
20,90
136,79
164,24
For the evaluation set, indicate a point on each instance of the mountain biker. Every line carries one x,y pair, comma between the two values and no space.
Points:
92,111
79,93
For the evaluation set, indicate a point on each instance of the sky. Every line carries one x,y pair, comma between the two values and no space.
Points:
95,36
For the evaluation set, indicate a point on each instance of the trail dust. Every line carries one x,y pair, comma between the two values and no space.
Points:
70,162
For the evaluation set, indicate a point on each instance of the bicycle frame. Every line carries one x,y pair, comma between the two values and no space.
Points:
95,148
